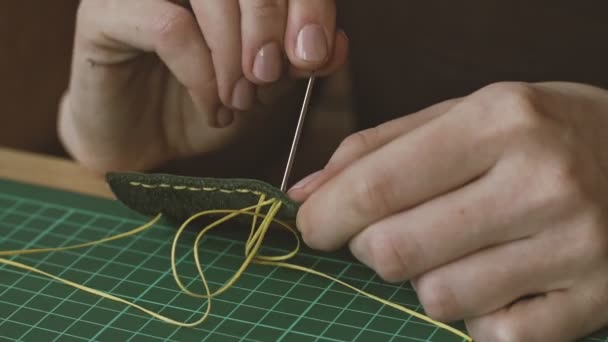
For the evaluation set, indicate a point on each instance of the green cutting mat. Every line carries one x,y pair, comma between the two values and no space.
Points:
266,304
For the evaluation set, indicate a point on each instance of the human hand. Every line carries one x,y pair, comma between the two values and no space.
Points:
153,80
495,206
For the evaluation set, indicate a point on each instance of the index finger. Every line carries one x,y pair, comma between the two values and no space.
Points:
429,161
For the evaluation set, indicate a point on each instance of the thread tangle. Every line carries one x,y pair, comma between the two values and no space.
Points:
253,244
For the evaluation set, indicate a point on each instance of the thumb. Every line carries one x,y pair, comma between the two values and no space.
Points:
364,142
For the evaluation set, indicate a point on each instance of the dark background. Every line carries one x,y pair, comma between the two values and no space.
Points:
406,54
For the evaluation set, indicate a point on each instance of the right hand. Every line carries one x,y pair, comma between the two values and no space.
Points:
153,81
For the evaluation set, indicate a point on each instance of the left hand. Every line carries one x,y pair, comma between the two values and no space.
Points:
495,206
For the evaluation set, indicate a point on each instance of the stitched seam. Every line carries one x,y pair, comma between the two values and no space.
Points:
189,188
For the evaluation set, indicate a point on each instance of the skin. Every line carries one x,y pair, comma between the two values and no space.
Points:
153,80
452,197
470,188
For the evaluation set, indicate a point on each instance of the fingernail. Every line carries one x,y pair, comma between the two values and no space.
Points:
224,117
267,66
243,95
306,180
311,45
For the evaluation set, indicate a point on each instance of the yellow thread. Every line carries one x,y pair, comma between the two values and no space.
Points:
82,245
183,187
252,247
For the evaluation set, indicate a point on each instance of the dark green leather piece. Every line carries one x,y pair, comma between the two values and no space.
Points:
179,197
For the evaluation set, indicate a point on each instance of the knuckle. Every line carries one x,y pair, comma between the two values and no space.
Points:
512,95
392,260
88,25
355,145
437,298
515,106
359,141
560,185
171,25
373,196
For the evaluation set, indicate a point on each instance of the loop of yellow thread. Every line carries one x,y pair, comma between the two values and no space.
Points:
103,294
274,208
92,290
253,223
231,214
252,246
252,230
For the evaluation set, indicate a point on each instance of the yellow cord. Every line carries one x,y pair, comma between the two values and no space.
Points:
252,247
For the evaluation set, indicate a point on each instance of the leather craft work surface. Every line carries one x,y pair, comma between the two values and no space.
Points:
266,303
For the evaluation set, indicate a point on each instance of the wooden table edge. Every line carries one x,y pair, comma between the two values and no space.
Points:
52,172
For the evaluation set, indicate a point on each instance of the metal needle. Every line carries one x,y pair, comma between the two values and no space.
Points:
296,137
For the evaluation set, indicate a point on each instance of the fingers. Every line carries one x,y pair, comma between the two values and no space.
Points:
488,211
263,27
248,40
220,22
491,279
269,28
449,227
128,27
559,316
365,142
310,33
337,60
158,26
437,158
